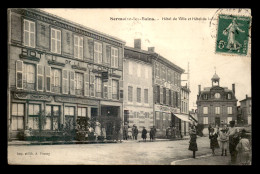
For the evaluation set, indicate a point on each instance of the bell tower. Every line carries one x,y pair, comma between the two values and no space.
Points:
215,79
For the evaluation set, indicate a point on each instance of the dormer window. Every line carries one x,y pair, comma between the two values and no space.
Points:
229,96
205,96
217,95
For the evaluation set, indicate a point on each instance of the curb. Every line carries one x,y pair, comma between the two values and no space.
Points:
202,156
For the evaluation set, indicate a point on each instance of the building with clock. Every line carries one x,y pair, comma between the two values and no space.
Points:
216,105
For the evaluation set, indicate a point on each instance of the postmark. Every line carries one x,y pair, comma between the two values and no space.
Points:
233,34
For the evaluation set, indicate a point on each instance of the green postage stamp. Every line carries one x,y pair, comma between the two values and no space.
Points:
233,34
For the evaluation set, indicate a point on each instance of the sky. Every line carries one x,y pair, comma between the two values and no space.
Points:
180,41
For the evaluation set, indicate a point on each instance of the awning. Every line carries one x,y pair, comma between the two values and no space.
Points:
183,117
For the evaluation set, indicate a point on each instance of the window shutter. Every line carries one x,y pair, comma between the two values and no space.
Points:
39,77
48,78
76,47
155,94
109,88
58,41
100,53
26,32
53,47
19,74
72,82
167,97
108,54
65,84
91,48
86,83
81,48
121,90
161,95
92,82
32,34
119,58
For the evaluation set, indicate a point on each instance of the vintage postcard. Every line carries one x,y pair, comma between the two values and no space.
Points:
129,86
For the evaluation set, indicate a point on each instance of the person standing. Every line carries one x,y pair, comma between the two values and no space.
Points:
243,148
130,133
144,132
233,141
125,131
213,140
223,140
193,144
135,132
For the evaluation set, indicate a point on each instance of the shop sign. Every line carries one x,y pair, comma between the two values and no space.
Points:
75,100
26,96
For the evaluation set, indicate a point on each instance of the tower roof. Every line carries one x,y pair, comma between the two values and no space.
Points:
215,77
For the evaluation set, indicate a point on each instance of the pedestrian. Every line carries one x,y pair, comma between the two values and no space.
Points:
233,141
223,140
144,132
193,144
154,132
213,140
125,131
135,132
130,136
244,148
209,127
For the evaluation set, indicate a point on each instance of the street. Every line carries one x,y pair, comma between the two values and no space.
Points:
128,152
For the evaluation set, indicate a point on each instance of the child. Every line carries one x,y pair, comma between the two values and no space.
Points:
144,132
243,148
193,144
213,140
223,140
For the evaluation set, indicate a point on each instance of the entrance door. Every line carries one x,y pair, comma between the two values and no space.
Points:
217,121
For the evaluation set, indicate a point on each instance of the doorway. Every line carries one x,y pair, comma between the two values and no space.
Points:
217,121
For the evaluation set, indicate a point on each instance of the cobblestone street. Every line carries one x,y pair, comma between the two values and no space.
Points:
127,152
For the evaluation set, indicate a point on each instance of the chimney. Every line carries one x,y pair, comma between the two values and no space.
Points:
137,43
233,88
199,88
151,49
246,96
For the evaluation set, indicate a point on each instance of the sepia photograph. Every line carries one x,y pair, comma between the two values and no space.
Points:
129,86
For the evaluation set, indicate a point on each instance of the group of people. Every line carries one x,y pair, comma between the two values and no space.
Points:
239,145
132,132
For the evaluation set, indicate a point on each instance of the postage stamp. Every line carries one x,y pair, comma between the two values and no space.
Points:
233,34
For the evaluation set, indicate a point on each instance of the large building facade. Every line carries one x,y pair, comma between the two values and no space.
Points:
167,92
55,66
216,105
138,89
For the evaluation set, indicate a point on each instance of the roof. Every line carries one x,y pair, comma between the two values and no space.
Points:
185,89
215,77
42,12
248,98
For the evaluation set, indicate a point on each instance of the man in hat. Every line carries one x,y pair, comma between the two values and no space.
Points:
233,141
125,131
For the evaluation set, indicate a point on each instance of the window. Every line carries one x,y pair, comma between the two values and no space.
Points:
105,90
69,117
177,99
97,52
229,119
145,95
78,47
169,75
55,41
163,75
29,76
164,95
229,96
17,116
205,96
82,114
229,110
217,110
158,94
205,120
130,67
29,33
114,57
115,89
98,87
33,119
217,95
79,83
92,85
205,110
130,93
157,70
170,97
52,118
138,92
56,80
40,77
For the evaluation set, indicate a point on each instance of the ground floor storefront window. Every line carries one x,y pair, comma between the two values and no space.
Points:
69,117
17,116
52,117
33,116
